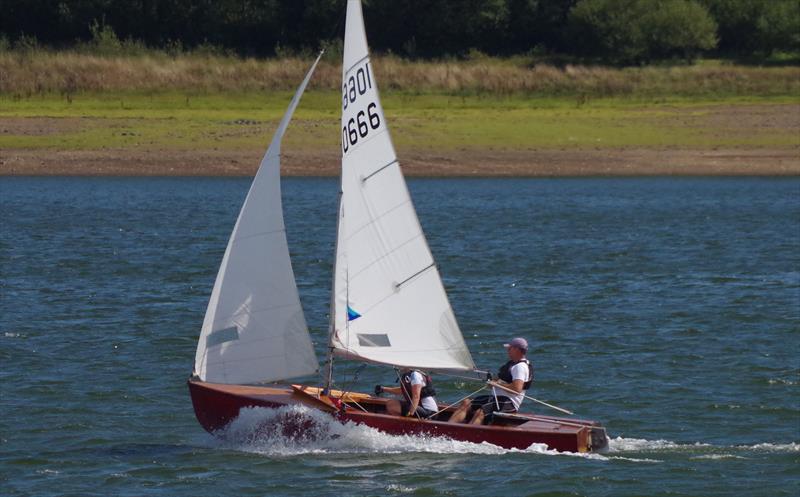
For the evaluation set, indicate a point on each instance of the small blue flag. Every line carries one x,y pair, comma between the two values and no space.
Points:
351,314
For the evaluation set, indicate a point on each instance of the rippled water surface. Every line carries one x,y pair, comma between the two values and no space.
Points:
668,309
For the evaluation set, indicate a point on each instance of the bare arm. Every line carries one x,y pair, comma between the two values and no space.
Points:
393,390
415,393
515,386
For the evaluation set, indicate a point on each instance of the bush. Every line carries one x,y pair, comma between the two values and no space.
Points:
778,26
757,26
608,29
334,50
210,50
106,42
636,31
679,28
27,44
104,39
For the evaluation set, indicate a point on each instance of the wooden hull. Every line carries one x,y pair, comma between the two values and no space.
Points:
216,405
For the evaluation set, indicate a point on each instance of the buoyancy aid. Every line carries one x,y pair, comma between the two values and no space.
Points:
427,390
505,372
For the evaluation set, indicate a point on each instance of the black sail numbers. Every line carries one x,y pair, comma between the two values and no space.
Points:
366,118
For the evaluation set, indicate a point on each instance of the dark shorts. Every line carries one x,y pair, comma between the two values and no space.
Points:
488,405
421,411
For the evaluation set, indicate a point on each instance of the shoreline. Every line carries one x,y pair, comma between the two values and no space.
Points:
612,162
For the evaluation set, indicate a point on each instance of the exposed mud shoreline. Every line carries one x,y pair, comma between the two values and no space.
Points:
489,163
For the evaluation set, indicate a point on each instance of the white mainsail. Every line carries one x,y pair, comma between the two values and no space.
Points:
389,304
254,329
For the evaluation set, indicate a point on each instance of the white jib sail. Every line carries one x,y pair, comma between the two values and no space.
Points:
254,330
389,303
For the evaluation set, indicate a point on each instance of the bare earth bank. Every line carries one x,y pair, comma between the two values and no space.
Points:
491,163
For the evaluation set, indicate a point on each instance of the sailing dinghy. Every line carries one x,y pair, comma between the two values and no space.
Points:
388,304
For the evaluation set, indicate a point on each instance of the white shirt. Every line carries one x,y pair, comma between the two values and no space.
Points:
428,403
519,371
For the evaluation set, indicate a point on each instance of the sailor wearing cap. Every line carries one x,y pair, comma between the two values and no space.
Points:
515,376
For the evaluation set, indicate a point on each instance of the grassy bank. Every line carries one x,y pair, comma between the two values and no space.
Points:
24,74
215,115
431,122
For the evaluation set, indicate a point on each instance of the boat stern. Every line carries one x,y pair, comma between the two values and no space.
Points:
597,439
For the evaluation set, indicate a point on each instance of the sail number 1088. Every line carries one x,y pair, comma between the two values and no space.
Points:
365,120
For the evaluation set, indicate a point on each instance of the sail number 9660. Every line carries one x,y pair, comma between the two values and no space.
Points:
358,127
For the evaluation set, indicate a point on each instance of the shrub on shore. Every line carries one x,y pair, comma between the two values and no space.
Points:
638,31
31,70
652,30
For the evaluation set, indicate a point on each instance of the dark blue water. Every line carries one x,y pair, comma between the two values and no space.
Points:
669,309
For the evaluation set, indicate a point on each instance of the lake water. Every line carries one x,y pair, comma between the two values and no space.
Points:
668,309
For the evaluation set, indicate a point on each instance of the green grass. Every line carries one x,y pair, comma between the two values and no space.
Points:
433,121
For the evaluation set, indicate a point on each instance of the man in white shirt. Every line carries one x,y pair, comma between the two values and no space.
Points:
515,376
419,395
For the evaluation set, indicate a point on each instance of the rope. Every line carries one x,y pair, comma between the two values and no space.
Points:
482,379
347,391
561,422
356,403
551,406
458,401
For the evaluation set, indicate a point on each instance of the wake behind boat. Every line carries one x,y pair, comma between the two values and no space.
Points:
388,304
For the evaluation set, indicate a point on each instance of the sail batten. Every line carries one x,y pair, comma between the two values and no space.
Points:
364,179
254,329
388,305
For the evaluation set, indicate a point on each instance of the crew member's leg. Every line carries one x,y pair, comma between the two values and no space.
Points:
461,413
478,417
486,410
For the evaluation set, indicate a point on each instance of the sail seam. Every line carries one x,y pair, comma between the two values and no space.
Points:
387,254
263,233
295,374
395,350
248,311
251,358
359,61
354,354
374,220
251,343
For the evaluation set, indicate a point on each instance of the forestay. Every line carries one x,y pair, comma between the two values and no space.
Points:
389,305
254,329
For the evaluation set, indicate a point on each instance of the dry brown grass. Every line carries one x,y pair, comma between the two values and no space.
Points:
36,72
